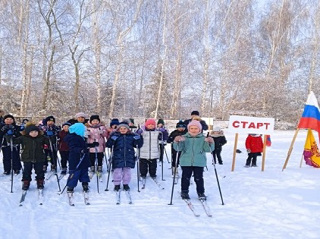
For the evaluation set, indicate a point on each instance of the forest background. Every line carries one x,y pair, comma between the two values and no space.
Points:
161,59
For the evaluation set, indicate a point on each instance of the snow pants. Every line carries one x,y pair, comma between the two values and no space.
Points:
121,174
148,165
198,178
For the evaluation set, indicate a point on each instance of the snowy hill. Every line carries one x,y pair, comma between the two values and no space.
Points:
269,204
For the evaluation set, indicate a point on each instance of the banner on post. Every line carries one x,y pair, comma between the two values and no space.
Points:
250,125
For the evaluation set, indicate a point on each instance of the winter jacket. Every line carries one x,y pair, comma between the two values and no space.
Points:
193,150
123,154
78,150
164,135
32,148
174,134
14,131
97,134
150,148
254,143
63,146
219,140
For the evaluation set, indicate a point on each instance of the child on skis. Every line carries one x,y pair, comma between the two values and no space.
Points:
96,133
63,147
9,128
123,142
219,141
164,137
149,152
180,130
193,146
254,146
33,156
78,157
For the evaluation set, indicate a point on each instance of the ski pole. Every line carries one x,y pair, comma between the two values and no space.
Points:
96,164
174,174
165,151
109,168
215,170
11,148
55,163
138,169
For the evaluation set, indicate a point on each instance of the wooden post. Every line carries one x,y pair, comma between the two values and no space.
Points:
234,151
290,149
264,152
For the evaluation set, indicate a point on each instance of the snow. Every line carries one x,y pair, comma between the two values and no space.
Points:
269,204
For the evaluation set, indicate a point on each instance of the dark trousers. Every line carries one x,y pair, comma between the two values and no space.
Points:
148,165
27,170
51,157
174,158
16,164
64,158
198,178
252,159
93,158
75,175
217,154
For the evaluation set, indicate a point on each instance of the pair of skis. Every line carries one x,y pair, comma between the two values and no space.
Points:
194,211
85,198
118,196
24,194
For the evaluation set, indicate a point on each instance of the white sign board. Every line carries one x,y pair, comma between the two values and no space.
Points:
250,125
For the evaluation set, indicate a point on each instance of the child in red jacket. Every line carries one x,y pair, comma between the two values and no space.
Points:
254,146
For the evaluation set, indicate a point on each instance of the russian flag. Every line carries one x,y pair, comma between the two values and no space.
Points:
310,118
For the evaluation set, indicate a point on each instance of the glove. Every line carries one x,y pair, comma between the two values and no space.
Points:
5,128
209,140
10,132
49,133
136,137
95,144
114,138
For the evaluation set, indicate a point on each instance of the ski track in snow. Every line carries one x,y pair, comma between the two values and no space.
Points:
269,204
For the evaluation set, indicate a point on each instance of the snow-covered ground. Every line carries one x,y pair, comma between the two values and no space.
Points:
269,204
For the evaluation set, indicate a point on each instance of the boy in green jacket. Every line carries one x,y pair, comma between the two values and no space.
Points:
193,146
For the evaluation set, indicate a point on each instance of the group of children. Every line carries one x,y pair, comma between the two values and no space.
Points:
81,144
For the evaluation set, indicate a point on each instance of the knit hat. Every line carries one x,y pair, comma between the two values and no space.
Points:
50,118
180,124
195,123
150,122
78,128
92,117
80,114
9,116
66,123
30,128
123,124
160,121
114,121
195,112
216,129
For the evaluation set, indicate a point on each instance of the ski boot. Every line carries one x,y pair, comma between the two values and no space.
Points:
25,184
64,171
185,195
126,187
92,169
100,169
85,187
202,196
40,183
116,187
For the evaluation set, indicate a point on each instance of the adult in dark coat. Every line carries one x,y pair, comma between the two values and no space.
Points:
219,141
195,115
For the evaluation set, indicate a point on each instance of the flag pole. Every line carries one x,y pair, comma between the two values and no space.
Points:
290,149
301,161
264,152
234,151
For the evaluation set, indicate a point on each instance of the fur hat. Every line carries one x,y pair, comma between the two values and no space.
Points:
80,114
50,118
180,124
195,112
123,124
92,117
195,123
9,116
160,121
114,121
150,121
31,127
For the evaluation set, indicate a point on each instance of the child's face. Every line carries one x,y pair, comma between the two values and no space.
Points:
50,122
8,120
181,129
81,119
95,122
34,133
150,126
65,128
123,130
193,130
160,125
